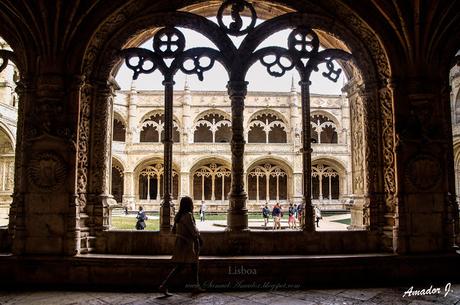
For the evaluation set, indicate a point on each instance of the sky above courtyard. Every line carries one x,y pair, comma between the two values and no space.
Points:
216,78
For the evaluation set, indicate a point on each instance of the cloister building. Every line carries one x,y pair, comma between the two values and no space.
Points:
202,157
73,145
202,161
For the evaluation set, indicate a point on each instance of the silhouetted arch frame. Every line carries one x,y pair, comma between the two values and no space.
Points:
373,67
302,53
6,56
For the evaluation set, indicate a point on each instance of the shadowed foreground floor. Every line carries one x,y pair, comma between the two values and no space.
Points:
368,296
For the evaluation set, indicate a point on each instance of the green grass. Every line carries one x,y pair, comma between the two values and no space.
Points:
129,223
333,213
223,216
346,221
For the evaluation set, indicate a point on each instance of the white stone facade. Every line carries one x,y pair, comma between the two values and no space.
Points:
281,162
202,169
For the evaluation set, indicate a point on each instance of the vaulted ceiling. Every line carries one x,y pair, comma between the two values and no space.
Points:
416,34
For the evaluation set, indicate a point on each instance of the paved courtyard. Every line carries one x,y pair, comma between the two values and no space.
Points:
372,296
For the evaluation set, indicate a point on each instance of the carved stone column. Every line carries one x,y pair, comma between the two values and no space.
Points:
73,216
46,168
187,134
357,155
237,215
373,186
423,221
131,130
101,165
185,187
309,221
83,167
129,191
16,226
166,206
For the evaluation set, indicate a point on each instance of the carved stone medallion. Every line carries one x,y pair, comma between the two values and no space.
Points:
423,171
47,171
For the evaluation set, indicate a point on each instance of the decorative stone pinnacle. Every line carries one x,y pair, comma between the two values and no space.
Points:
133,85
293,88
186,84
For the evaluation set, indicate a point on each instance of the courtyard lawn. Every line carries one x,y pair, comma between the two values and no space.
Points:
223,216
346,221
129,223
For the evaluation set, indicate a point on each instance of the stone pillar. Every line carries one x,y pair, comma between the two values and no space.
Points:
295,120
424,211
129,198
167,205
46,158
309,222
184,181
101,201
73,244
16,226
186,120
357,154
364,145
132,131
237,217
83,167
297,187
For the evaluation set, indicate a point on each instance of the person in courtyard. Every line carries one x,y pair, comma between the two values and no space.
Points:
276,213
299,214
187,245
202,211
266,214
141,218
317,216
296,214
291,220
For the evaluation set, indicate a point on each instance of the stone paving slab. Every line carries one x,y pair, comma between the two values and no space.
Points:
366,296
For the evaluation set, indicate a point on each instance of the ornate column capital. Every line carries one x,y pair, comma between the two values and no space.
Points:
237,89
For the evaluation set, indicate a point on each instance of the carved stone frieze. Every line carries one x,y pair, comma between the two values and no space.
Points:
389,175
101,141
83,148
357,144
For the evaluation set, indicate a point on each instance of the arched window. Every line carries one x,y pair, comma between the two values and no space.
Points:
152,129
119,131
151,182
212,128
267,128
323,129
211,182
117,183
267,182
325,182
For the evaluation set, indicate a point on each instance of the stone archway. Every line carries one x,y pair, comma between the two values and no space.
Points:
375,98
